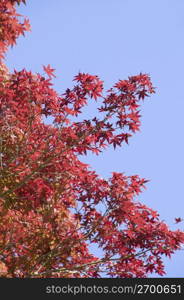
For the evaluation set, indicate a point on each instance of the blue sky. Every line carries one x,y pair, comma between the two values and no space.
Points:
116,39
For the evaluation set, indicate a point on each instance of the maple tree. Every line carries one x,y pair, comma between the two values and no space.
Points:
52,206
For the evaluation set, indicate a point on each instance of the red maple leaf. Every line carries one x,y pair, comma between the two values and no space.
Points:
27,25
49,71
178,220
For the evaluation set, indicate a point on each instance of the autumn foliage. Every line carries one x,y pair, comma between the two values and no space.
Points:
53,207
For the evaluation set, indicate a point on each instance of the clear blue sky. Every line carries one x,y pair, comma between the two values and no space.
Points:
115,39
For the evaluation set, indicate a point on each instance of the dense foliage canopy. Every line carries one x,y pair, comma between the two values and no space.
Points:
52,206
